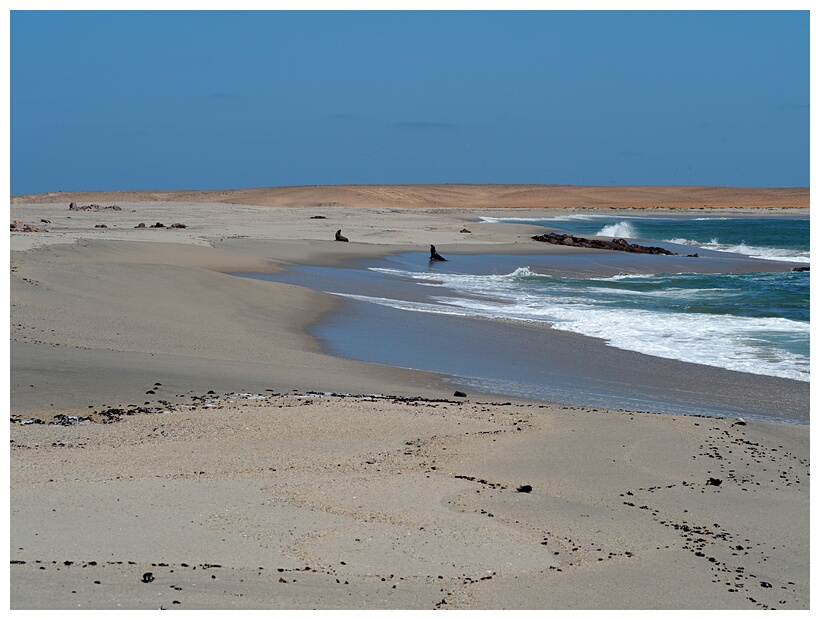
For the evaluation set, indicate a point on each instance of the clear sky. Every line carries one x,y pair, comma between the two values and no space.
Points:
208,100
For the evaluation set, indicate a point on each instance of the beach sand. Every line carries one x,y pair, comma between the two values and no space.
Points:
207,462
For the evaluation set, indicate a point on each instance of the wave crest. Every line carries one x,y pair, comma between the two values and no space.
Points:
618,230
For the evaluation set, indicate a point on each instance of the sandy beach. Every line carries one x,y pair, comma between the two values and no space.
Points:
180,440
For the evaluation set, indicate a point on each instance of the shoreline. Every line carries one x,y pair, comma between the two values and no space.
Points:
271,249
289,499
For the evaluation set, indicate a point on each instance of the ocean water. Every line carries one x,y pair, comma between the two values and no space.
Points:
770,238
749,322
754,321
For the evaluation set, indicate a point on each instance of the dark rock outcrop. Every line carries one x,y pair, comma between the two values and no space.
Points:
599,244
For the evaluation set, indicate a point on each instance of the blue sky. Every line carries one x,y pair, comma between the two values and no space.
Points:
208,100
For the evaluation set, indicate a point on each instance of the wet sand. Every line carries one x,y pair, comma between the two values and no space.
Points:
290,500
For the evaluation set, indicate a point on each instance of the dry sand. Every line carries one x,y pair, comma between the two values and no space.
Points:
284,500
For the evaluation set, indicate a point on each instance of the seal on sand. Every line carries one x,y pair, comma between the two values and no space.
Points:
339,236
435,255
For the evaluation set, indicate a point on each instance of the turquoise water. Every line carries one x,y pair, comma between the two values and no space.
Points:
750,322
772,238
754,321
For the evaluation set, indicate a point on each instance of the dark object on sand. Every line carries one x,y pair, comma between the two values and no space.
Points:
714,482
800,269
598,244
317,217
460,394
464,230
435,255
339,236
524,488
147,577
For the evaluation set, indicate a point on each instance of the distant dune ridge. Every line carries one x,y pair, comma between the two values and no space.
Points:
456,196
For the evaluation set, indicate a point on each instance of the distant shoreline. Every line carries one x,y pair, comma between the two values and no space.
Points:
459,196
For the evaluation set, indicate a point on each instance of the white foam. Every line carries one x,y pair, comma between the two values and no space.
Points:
779,254
725,341
620,229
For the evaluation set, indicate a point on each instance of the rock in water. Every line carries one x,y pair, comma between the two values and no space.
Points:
598,244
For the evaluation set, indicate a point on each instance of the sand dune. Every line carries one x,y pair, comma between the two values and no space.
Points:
457,196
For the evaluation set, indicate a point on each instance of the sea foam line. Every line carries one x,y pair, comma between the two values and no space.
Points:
764,253
725,341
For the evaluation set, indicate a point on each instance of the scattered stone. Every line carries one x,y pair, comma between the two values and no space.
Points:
18,226
92,207
524,488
